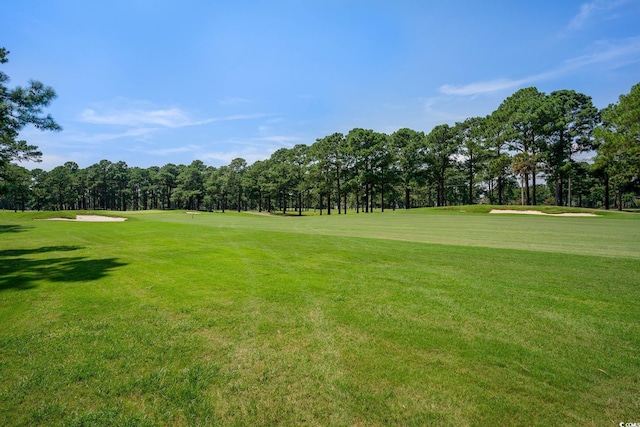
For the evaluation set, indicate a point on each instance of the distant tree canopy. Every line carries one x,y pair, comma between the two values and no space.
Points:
527,151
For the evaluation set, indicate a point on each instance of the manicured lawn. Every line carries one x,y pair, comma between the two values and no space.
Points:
402,318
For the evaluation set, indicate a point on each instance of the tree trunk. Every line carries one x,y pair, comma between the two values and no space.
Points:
619,198
345,203
441,197
559,191
533,181
382,192
338,189
607,196
366,198
371,198
284,203
471,178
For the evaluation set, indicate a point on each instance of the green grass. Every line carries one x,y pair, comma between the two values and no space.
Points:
402,318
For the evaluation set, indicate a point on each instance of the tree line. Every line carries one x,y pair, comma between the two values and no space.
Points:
532,149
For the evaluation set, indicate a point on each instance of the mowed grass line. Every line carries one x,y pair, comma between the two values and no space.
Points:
153,322
609,234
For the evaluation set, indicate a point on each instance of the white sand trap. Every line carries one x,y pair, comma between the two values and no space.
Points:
510,211
90,218
98,218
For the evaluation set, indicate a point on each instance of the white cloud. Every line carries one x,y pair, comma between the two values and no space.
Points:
171,118
234,101
482,87
48,162
139,133
236,117
250,149
588,10
282,140
135,113
225,157
167,151
141,120
613,54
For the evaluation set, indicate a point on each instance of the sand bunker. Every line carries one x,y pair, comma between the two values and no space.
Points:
90,218
509,211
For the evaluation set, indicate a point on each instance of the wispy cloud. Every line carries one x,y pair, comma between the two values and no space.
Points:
282,140
589,9
236,117
250,149
225,157
140,120
190,148
234,101
613,54
138,133
586,10
47,162
168,118
483,87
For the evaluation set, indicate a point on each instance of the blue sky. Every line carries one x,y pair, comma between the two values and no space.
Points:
157,82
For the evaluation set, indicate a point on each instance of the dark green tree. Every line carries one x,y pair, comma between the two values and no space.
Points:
570,119
235,180
59,184
190,185
38,188
329,167
16,186
523,117
471,135
410,149
168,181
619,151
441,143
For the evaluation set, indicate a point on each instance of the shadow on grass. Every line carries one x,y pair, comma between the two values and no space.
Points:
4,228
21,252
18,271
